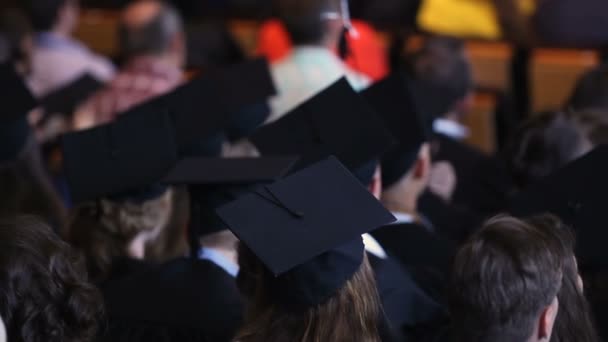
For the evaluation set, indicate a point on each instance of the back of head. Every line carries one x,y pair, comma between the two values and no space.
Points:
44,293
549,141
442,62
104,231
44,14
591,90
504,278
350,315
148,28
304,20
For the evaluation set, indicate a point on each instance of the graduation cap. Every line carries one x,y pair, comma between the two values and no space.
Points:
204,107
391,98
337,121
307,232
64,101
213,182
576,194
122,160
17,102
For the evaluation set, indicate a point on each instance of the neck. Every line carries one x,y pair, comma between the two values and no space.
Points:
405,205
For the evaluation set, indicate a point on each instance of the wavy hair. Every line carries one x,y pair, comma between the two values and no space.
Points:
44,291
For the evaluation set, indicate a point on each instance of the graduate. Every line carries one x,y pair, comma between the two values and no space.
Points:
338,121
412,239
193,298
304,270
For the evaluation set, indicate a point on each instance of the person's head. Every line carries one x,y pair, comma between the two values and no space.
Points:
402,191
59,16
108,230
442,62
152,28
551,140
505,283
349,315
15,39
591,91
44,291
312,22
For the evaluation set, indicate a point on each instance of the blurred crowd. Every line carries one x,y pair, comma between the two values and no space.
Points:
321,190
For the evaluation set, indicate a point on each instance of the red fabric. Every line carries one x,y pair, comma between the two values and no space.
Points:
367,56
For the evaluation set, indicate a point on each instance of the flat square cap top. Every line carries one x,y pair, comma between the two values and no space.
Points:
337,121
135,151
304,215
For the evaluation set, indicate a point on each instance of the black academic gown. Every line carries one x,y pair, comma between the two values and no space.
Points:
483,184
427,255
183,300
407,308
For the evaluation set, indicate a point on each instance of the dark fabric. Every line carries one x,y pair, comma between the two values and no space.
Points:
183,300
426,254
572,23
483,184
454,222
406,306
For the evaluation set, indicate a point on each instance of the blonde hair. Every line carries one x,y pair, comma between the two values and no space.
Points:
104,230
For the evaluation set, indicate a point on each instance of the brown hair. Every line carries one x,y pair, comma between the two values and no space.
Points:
44,292
104,230
503,277
350,315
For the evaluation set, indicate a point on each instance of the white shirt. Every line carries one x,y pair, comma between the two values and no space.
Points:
304,73
451,129
58,61
372,246
2,331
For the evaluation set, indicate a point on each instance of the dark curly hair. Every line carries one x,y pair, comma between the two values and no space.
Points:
44,291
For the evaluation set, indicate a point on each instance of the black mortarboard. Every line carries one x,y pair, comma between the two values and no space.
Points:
64,101
17,102
577,195
204,107
216,181
121,160
392,100
337,121
306,229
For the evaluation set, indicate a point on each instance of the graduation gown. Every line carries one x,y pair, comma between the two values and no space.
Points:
408,309
483,184
427,255
183,300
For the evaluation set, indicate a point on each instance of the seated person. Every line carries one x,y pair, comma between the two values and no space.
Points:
58,59
365,53
45,292
549,305
444,75
505,284
315,28
551,140
294,293
152,42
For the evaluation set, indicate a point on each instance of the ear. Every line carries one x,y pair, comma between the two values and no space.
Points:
547,320
375,187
